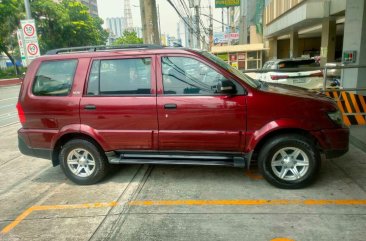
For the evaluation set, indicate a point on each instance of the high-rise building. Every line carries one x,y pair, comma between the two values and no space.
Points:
91,4
116,25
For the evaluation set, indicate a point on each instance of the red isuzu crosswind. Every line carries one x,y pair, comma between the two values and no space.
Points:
90,108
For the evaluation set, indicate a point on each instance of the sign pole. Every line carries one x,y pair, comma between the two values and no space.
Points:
27,9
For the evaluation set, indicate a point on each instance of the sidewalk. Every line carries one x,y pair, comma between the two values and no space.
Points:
9,82
358,137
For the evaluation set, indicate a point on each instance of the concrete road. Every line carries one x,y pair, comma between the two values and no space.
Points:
146,202
8,101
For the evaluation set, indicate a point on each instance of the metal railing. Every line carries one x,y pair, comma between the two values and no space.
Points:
323,69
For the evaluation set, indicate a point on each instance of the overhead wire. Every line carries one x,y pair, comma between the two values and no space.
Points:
185,21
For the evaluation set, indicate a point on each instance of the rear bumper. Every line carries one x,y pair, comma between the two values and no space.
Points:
34,152
333,142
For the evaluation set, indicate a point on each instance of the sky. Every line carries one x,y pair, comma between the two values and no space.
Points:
168,17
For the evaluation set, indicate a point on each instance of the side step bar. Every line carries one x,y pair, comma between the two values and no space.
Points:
179,159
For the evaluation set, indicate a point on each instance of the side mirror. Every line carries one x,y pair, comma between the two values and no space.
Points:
226,87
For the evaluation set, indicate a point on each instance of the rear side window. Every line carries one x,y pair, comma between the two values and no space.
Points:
120,77
54,78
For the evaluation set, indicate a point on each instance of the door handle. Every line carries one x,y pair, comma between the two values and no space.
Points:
90,107
170,106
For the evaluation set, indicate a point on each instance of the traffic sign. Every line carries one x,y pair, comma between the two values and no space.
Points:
29,30
32,50
30,40
21,47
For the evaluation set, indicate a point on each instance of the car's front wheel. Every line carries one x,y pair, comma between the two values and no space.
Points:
289,161
83,162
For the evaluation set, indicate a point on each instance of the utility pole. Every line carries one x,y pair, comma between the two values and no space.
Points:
198,36
149,22
27,9
191,32
222,20
243,30
159,25
210,30
228,25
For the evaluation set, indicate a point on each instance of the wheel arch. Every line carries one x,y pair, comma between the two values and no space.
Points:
261,141
67,137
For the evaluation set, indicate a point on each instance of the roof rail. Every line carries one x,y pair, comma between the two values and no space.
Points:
104,47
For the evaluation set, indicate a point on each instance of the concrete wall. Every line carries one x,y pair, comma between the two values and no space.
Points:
305,45
354,40
337,6
255,38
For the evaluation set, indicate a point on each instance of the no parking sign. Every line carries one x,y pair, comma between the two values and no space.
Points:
29,35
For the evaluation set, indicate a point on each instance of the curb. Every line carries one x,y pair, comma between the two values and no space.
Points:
9,82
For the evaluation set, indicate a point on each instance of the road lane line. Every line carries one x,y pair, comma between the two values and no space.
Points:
27,212
4,106
243,202
13,123
17,220
253,174
11,98
248,202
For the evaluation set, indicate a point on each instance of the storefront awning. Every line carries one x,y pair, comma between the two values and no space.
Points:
237,48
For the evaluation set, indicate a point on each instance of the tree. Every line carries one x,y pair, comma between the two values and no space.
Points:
67,24
51,22
128,37
10,13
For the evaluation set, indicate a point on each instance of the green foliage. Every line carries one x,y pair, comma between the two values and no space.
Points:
51,22
67,24
10,13
9,73
129,37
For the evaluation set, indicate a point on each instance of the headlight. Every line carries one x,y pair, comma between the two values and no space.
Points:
336,117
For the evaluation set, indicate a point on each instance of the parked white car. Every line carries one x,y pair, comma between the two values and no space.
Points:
310,79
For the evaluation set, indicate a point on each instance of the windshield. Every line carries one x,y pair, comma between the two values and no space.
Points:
252,82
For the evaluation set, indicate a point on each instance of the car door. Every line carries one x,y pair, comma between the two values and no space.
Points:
192,117
119,103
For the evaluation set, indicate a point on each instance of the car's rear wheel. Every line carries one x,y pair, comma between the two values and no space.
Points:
289,161
83,162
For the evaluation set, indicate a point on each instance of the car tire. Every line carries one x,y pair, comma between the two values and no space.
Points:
83,162
289,161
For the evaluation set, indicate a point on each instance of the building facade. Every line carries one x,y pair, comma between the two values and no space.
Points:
91,4
328,29
116,26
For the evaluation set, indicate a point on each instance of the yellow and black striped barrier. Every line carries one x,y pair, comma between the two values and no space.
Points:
353,106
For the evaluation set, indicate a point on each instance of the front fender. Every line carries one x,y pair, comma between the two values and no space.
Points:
253,138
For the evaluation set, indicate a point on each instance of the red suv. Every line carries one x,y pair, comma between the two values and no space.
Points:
89,108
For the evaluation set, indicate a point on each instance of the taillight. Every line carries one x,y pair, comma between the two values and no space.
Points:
277,77
317,74
20,113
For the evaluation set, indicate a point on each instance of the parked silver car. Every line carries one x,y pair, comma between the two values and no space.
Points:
310,79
